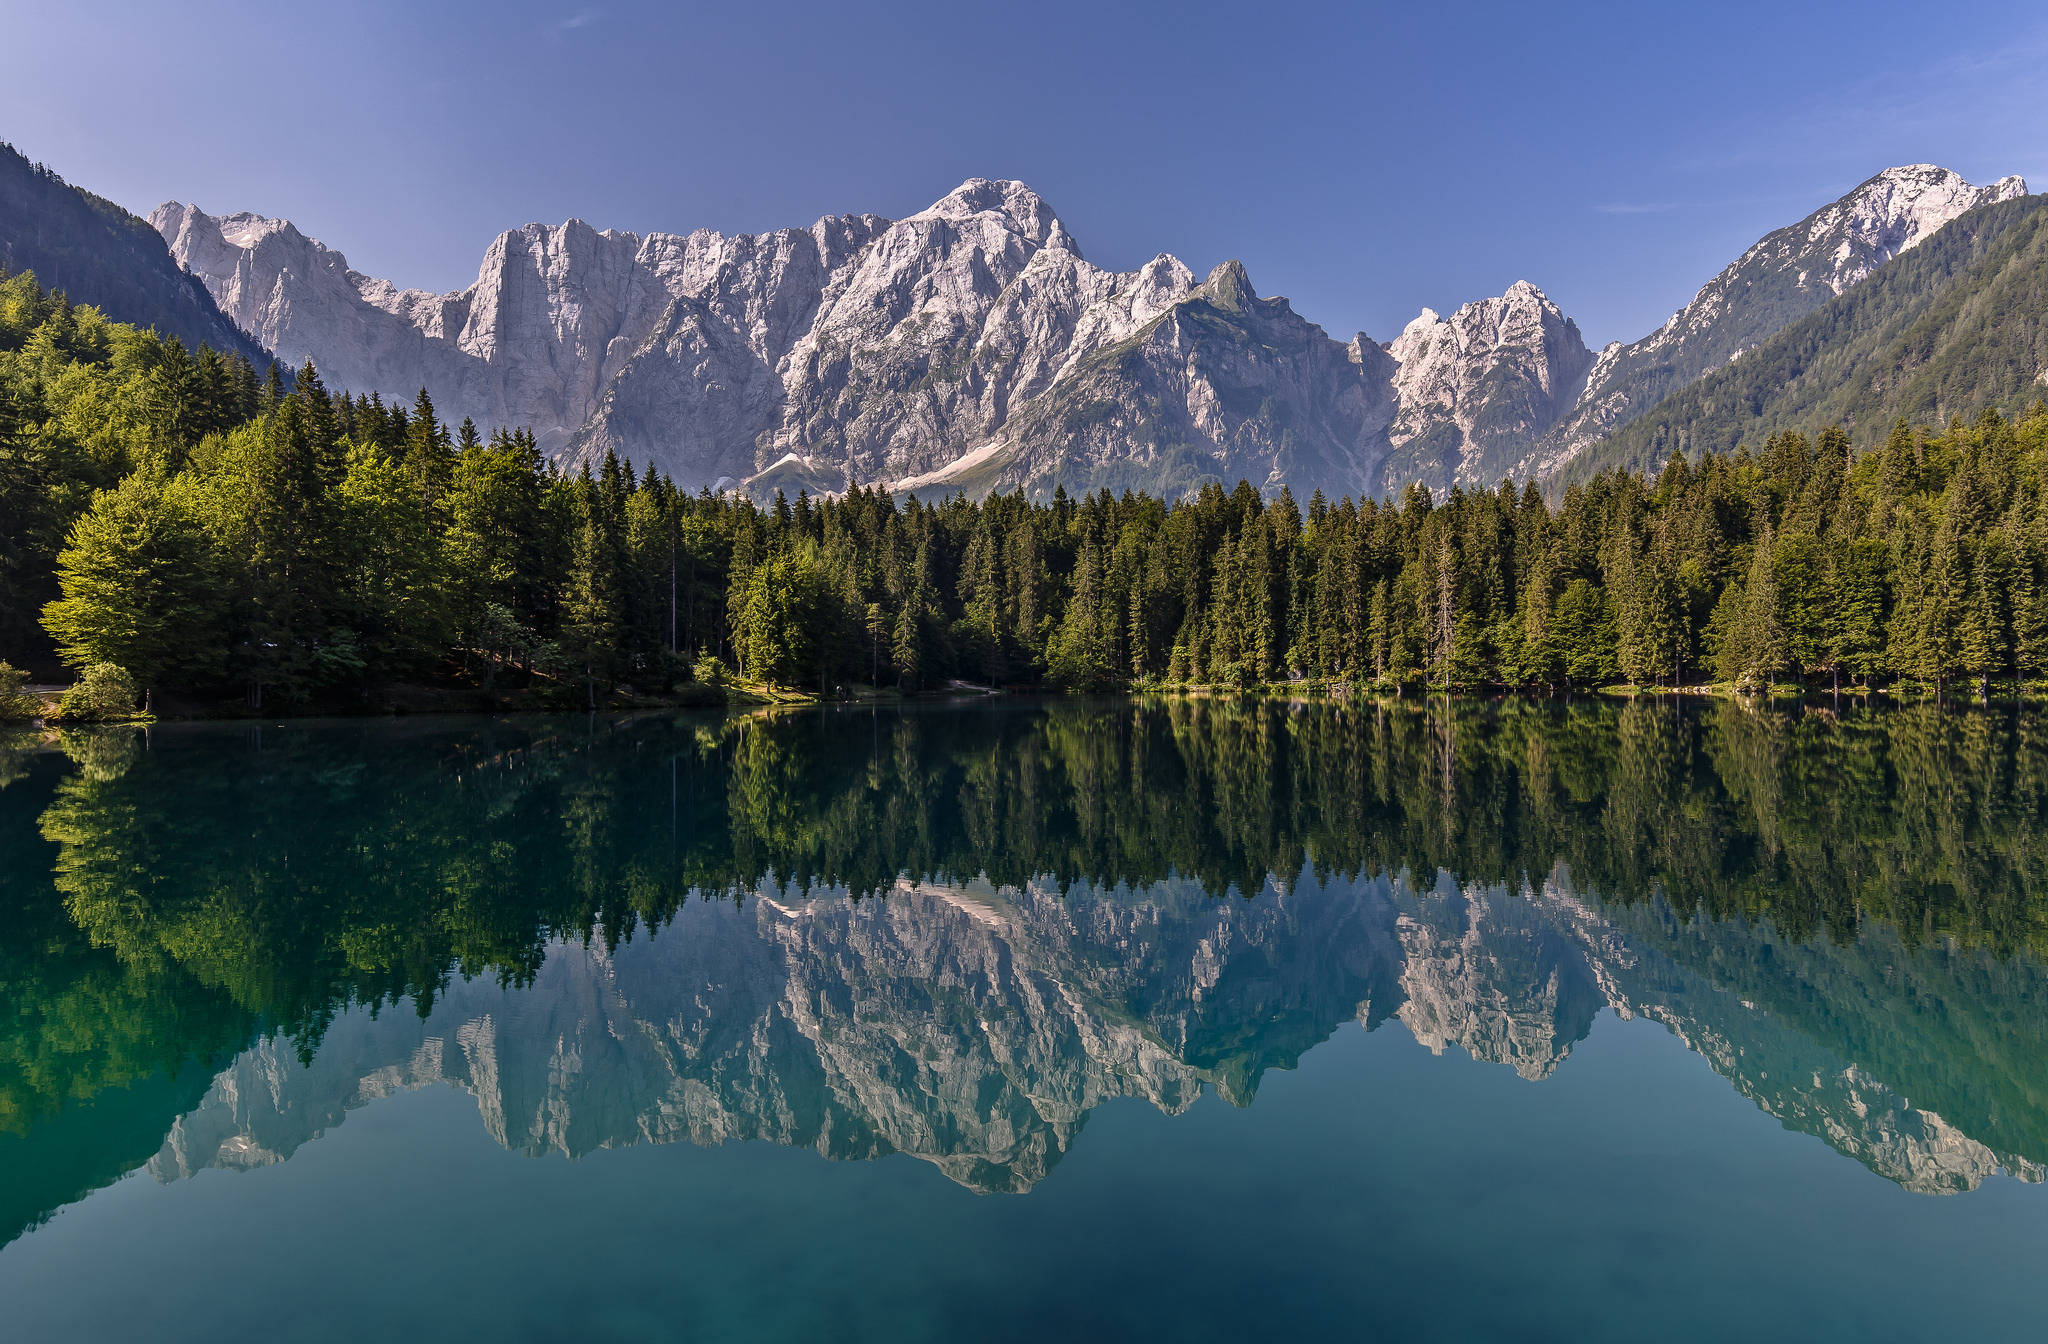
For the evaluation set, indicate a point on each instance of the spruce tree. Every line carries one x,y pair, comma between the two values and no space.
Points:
1764,650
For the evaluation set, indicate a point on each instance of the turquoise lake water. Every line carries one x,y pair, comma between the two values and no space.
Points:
1015,1019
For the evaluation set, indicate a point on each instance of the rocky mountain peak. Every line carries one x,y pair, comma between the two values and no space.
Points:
1883,217
1027,212
1475,386
1786,275
1523,315
1230,286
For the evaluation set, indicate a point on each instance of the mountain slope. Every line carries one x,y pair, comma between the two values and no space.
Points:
1223,385
1951,328
1786,275
99,254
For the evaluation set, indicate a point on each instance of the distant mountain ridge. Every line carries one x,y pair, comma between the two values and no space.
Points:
1957,326
99,254
971,347
1786,275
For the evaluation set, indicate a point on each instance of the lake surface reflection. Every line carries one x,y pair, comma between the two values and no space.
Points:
1800,952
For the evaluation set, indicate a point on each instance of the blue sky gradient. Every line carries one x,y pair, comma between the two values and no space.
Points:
1364,160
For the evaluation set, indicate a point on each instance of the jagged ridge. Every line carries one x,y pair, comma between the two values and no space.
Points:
971,347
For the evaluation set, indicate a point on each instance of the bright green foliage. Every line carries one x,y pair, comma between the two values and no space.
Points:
785,619
1582,631
392,592
140,583
83,402
105,692
16,704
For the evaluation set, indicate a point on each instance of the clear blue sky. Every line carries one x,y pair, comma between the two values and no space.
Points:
1364,160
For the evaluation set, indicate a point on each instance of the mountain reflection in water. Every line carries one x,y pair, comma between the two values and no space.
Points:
951,932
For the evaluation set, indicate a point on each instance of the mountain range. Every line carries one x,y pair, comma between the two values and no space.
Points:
1953,327
971,347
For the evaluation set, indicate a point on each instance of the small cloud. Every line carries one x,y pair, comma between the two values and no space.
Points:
571,24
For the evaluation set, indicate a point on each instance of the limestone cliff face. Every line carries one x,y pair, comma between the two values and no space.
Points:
966,346
971,347
1478,387
1221,385
555,317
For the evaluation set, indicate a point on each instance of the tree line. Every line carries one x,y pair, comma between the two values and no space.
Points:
188,520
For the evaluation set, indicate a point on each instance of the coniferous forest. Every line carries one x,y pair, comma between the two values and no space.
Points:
195,523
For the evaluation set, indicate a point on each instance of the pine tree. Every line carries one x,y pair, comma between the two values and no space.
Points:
1076,657
426,456
1944,595
289,588
1985,639
907,644
590,624
1764,650
1855,629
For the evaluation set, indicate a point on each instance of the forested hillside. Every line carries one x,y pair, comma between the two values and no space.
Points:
98,253
181,518
1950,328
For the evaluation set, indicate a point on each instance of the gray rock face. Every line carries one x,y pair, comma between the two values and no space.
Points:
1222,384
556,316
1477,388
858,350
971,347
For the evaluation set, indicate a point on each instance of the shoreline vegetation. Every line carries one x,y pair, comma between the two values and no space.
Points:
194,539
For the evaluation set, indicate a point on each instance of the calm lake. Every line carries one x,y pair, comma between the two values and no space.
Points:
1027,1020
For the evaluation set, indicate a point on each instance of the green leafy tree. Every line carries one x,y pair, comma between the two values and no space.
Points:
16,704
139,584
394,590
104,692
783,614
